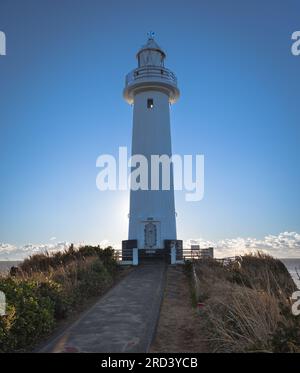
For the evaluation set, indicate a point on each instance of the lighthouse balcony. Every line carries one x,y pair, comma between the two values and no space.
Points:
151,77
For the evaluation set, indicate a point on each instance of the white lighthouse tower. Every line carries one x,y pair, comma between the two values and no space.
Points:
151,88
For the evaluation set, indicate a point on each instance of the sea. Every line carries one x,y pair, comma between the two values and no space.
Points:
292,265
5,266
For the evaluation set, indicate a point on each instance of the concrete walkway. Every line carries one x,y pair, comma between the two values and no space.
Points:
123,320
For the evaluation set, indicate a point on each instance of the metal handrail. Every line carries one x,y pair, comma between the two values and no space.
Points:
187,253
151,72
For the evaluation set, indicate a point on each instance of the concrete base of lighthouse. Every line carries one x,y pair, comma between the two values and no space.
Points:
177,244
152,254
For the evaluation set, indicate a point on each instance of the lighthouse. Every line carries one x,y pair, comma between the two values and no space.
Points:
151,88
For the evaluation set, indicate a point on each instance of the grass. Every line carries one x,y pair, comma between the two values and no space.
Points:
248,305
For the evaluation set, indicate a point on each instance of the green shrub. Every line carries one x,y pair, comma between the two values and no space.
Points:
55,292
47,288
29,314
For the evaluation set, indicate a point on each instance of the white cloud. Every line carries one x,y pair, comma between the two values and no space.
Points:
11,252
284,245
105,243
6,248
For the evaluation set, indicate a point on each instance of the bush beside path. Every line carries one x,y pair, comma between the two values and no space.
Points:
47,288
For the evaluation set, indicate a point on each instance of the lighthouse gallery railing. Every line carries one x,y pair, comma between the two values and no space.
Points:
152,72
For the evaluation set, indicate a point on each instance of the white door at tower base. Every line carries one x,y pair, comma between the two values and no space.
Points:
151,235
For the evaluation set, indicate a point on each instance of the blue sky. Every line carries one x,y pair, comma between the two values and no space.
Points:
61,107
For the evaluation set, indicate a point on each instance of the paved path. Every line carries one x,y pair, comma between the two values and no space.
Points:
124,320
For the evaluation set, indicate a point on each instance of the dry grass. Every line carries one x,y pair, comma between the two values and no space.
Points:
241,319
177,329
245,304
45,262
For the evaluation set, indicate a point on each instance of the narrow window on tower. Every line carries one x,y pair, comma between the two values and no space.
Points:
150,104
